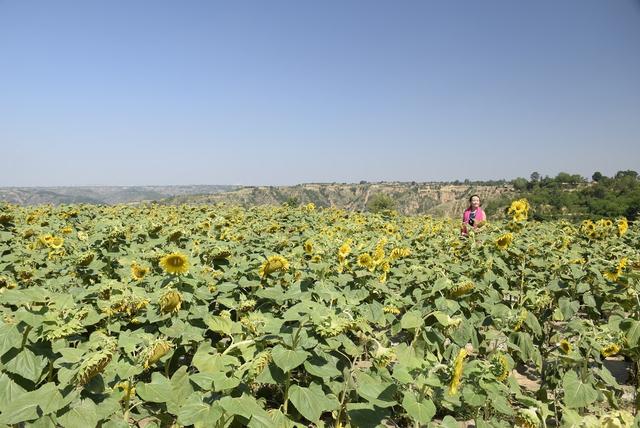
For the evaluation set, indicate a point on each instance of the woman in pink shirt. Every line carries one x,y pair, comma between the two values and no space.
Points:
473,215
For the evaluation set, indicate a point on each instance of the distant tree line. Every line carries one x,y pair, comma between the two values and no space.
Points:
573,196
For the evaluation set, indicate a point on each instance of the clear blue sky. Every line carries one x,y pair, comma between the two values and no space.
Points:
283,92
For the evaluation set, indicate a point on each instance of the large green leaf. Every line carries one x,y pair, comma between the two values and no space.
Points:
412,319
576,392
30,405
310,402
422,412
288,359
27,364
159,390
10,337
82,414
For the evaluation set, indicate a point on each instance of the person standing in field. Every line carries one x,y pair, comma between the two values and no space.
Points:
473,215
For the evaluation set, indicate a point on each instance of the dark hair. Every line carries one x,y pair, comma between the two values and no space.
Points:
472,196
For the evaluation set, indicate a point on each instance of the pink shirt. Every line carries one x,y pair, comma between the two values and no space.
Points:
480,216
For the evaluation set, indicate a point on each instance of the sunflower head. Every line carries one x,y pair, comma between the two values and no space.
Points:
175,263
365,260
138,272
565,346
462,289
308,246
273,264
158,349
344,250
500,366
504,241
519,210
610,350
391,309
623,226
170,301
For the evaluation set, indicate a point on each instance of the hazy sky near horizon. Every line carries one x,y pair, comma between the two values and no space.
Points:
284,92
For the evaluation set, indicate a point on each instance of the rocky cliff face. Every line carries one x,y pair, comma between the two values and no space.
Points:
437,199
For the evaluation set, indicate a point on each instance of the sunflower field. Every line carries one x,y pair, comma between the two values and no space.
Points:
219,316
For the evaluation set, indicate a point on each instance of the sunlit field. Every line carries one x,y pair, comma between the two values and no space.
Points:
216,316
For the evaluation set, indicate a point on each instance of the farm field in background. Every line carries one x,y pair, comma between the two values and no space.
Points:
204,316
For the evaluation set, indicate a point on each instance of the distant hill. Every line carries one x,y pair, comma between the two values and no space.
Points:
101,194
438,199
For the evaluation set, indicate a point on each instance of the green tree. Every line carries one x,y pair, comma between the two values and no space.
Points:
380,202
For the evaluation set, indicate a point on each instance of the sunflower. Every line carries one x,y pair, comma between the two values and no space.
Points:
565,346
170,301
273,264
623,226
610,350
138,272
504,241
458,367
308,246
462,289
500,366
519,209
56,242
158,349
614,274
365,261
391,309
344,250
175,263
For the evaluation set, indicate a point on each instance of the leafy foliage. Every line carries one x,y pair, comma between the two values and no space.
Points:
273,316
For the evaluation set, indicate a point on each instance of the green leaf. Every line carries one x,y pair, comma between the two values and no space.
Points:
287,359
33,404
158,391
81,414
412,319
366,415
310,402
577,394
10,337
195,412
9,391
376,391
632,329
422,412
27,364
249,408
322,365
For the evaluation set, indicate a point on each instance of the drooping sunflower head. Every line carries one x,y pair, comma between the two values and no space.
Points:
308,246
457,369
391,309
383,356
462,289
273,264
610,350
623,226
170,301
565,346
156,350
138,272
527,418
500,366
504,241
175,263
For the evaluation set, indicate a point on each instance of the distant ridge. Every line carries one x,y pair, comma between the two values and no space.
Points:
102,194
438,199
